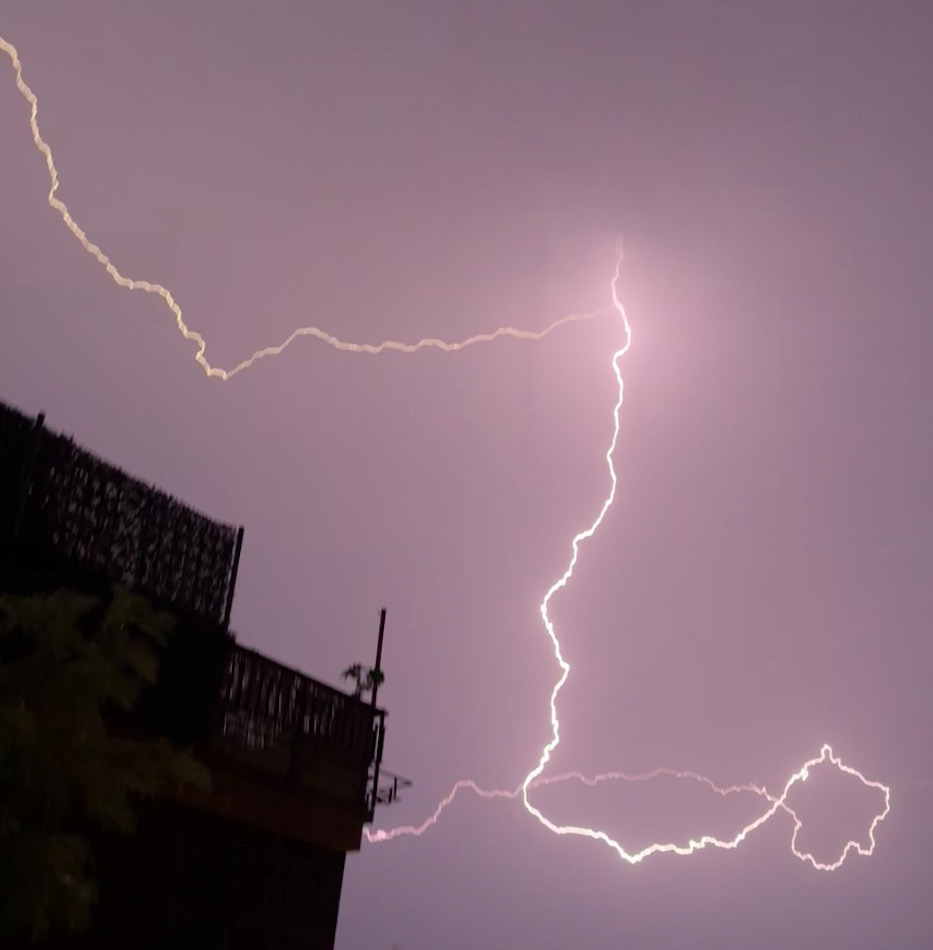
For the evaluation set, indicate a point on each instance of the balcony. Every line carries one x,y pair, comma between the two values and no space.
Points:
286,752
286,724
293,755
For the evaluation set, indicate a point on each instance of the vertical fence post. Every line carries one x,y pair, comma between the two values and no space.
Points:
233,573
377,761
377,669
380,721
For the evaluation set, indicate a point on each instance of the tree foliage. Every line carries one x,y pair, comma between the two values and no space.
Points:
68,665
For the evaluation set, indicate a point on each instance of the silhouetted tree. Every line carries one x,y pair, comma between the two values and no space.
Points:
65,661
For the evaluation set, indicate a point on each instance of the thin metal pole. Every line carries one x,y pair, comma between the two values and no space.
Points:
228,607
377,762
381,727
378,667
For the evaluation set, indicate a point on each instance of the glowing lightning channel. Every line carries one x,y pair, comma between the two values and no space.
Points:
826,752
535,777
584,535
776,804
144,285
387,835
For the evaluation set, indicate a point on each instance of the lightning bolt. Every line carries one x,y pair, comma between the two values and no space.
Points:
148,287
578,539
542,780
535,777
776,803
780,803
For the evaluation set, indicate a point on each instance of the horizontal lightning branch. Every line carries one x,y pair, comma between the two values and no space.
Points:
150,288
535,777
775,804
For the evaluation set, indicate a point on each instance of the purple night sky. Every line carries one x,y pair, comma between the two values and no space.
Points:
434,168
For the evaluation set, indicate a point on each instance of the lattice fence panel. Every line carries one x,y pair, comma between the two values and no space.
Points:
93,513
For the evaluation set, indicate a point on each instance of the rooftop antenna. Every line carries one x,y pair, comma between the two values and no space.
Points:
377,669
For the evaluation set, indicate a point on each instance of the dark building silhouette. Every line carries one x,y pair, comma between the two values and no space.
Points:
258,861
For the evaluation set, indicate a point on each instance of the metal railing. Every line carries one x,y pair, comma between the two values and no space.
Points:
265,707
385,788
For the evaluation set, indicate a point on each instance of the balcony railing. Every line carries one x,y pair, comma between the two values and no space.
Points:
288,724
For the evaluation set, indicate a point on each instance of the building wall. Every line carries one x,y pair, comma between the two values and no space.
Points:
189,878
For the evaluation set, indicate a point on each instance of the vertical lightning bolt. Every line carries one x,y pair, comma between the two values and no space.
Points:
578,539
535,778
